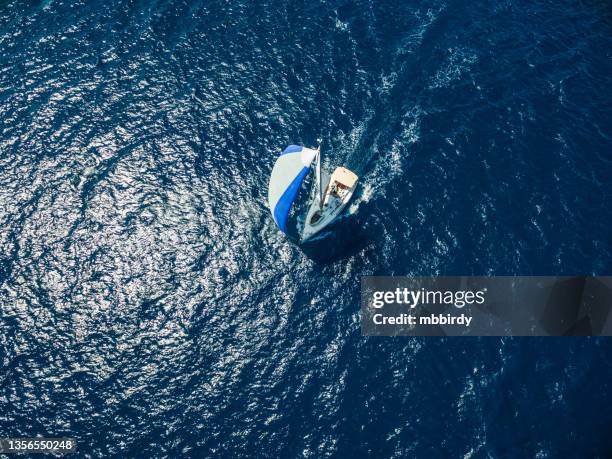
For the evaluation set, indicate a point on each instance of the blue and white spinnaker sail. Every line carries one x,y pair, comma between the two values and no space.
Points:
288,174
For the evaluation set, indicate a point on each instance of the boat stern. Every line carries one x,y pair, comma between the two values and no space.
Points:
345,177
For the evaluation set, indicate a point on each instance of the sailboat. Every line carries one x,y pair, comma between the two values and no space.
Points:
329,197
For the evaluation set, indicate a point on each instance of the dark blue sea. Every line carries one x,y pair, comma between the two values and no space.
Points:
149,307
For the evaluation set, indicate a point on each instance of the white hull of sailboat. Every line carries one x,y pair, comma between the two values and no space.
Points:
334,202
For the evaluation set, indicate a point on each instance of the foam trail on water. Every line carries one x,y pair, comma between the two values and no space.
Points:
389,166
364,141
459,61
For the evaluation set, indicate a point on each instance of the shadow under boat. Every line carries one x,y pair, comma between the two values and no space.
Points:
341,239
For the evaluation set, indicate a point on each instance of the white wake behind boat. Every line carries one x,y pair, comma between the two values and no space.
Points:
329,197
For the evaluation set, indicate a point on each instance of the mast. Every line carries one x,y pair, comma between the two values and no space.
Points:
320,188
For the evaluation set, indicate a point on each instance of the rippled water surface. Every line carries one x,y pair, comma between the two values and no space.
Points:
148,304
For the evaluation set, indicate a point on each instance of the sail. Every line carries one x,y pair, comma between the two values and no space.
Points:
288,174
